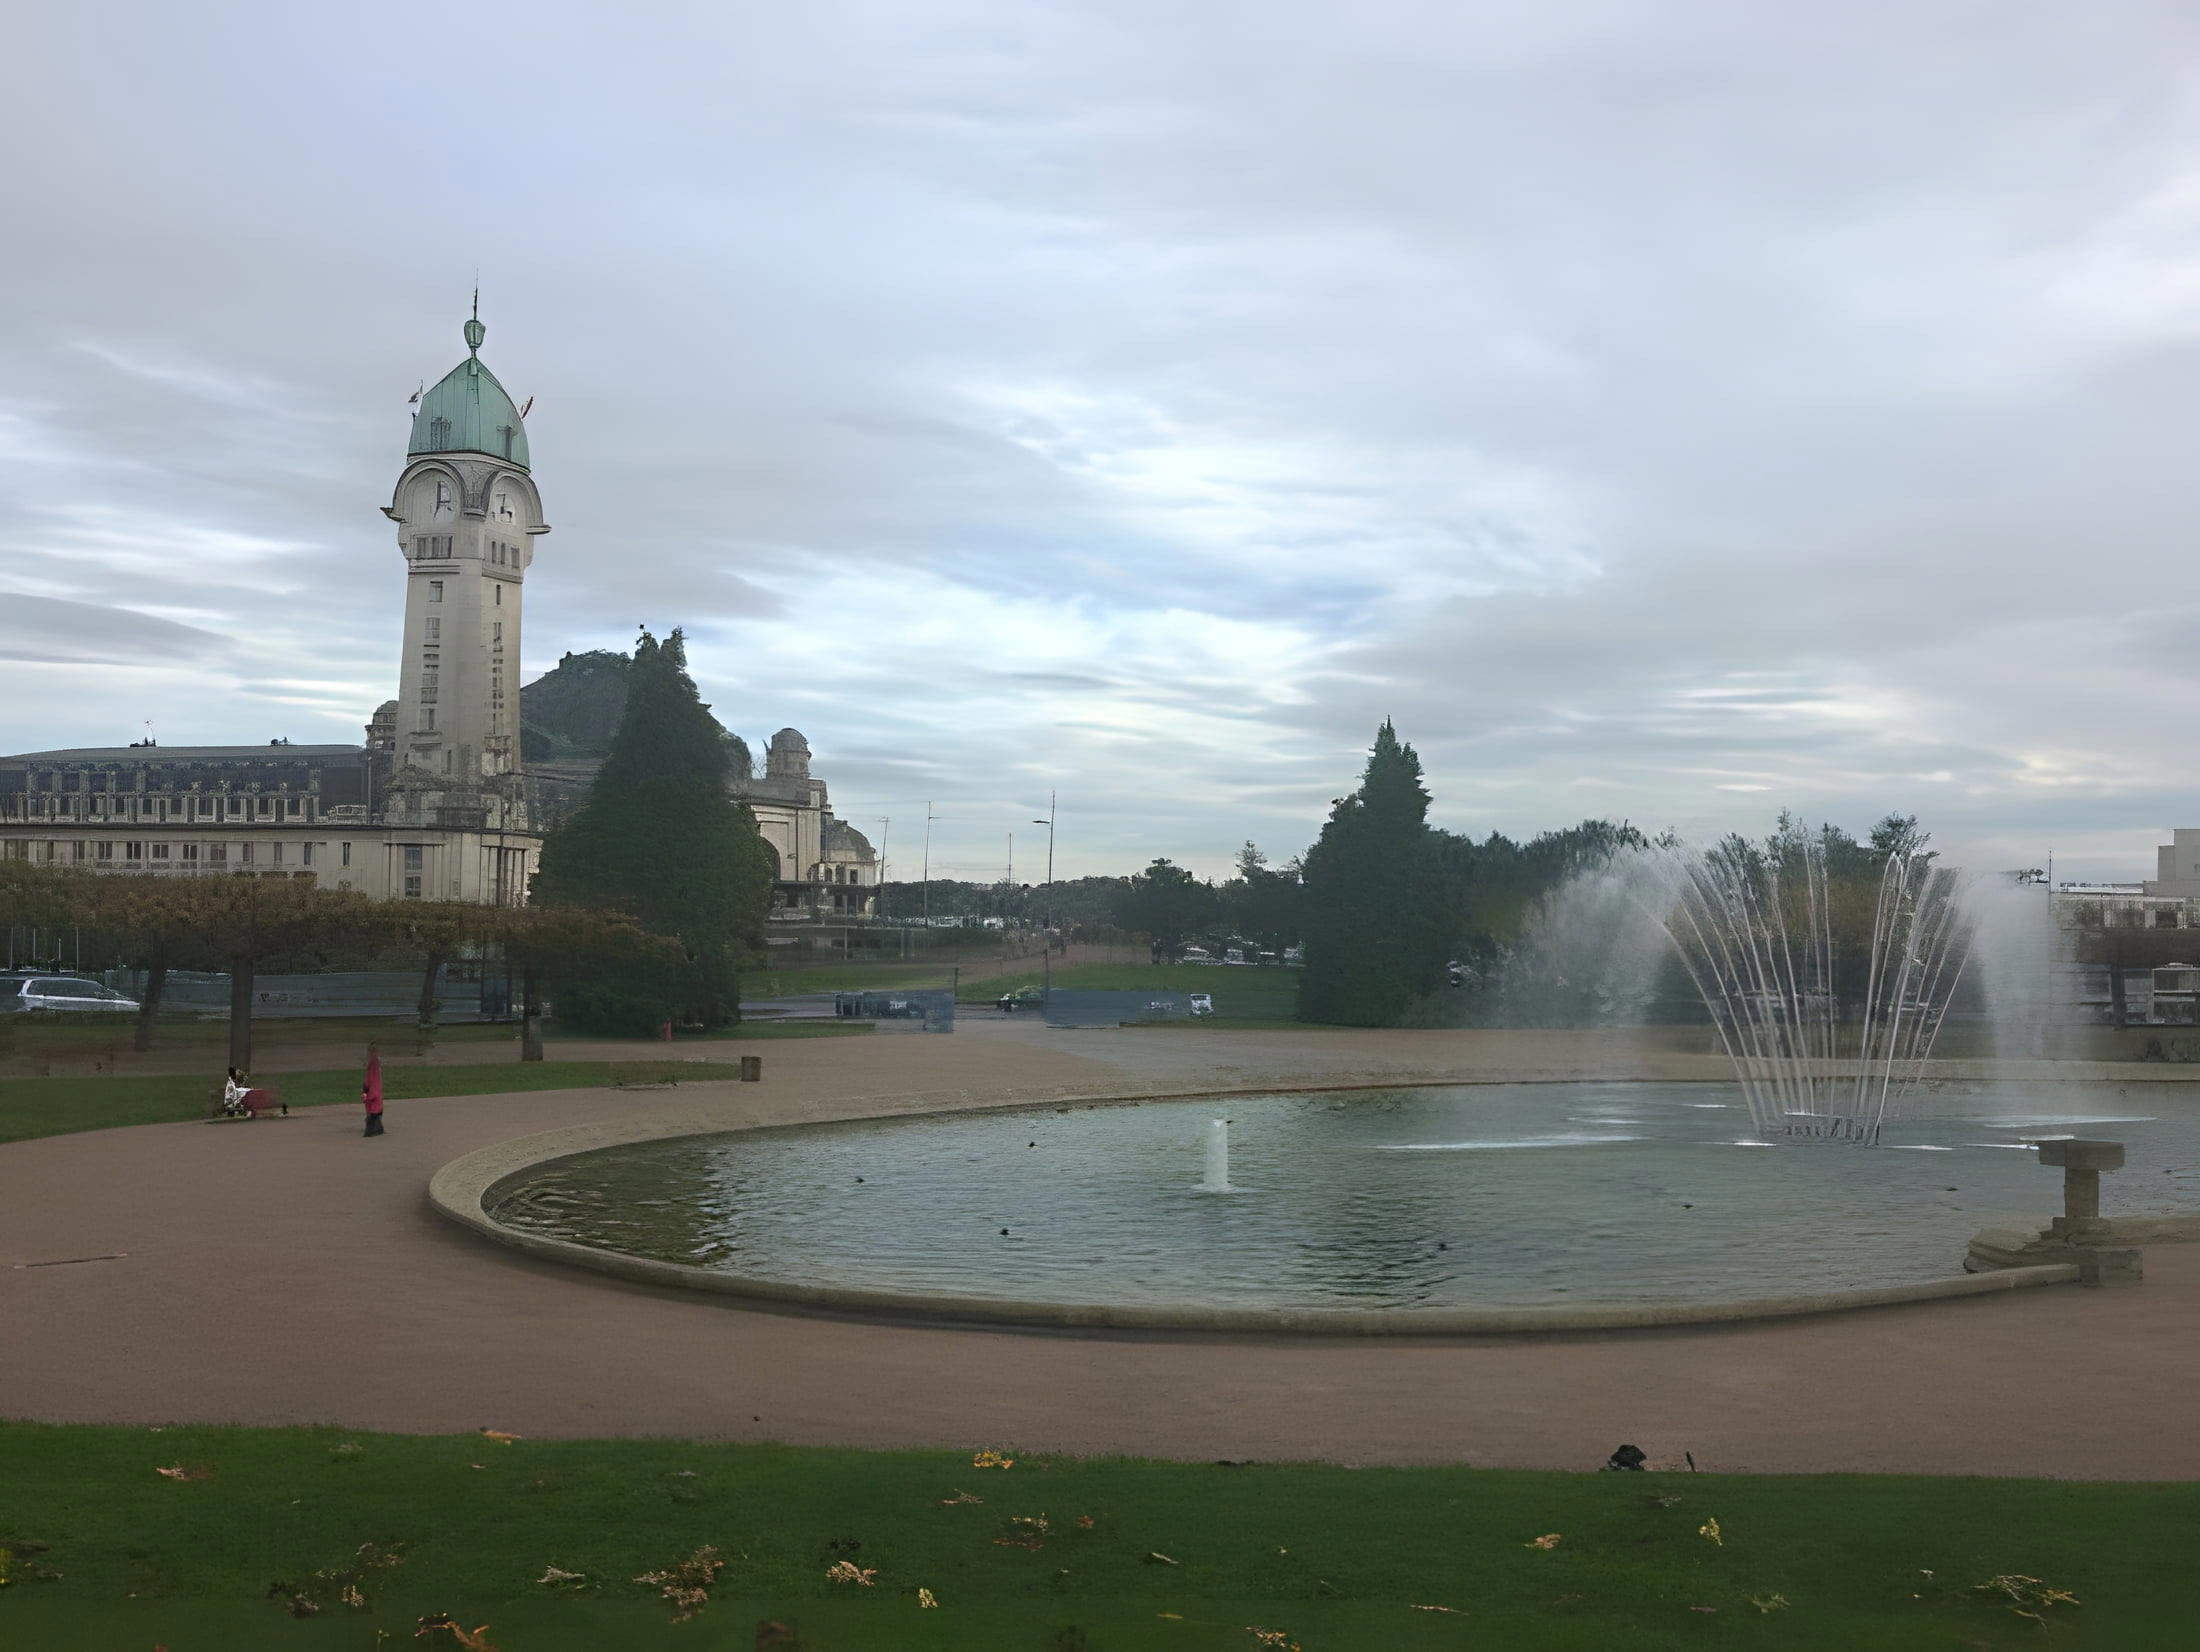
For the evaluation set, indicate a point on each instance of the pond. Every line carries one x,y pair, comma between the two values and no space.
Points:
1409,1199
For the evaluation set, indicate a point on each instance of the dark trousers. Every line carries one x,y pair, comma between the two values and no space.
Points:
374,1124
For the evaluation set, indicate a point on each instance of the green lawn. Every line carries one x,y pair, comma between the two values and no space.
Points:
782,983
57,1106
1058,1554
1253,992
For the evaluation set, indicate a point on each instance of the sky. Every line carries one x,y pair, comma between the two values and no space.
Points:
1670,411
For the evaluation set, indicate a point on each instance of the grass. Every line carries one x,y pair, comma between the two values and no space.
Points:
209,1029
782,983
1254,992
31,1107
1335,1558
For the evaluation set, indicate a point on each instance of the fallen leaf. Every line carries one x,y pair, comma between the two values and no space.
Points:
1085,1520
1173,1617
1549,1540
1710,1529
1769,1603
555,1575
1154,1558
847,1571
1453,1610
925,1598
992,1459
1703,1608
195,1471
1031,1543
501,1438
959,1497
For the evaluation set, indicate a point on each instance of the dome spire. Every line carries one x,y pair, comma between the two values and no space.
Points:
475,332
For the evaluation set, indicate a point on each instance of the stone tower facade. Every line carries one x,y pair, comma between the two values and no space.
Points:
467,517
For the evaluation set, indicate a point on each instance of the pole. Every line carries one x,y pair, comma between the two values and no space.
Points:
928,868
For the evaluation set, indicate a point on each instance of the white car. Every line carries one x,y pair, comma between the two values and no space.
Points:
21,993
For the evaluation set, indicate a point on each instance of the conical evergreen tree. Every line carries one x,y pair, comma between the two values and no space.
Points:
1374,929
660,839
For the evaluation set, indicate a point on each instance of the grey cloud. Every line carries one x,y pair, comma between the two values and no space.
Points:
1535,376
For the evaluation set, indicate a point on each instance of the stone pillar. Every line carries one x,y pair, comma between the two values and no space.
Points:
2080,1226
2082,1163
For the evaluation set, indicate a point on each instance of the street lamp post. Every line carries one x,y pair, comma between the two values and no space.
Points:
1046,956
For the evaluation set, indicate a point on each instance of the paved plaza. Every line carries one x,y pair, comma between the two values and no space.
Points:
290,1272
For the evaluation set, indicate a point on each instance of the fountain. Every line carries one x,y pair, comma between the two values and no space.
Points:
1755,929
1217,1179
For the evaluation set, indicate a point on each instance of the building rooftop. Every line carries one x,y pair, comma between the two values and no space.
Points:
469,412
182,754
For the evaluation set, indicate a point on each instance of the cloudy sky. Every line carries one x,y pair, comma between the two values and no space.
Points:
1676,411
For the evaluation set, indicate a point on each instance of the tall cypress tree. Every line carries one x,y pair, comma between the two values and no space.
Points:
1374,928
660,839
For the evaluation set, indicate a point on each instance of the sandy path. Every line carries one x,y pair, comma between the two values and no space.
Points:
289,1272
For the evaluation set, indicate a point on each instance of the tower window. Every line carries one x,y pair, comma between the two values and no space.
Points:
500,596
434,631
439,434
435,590
496,636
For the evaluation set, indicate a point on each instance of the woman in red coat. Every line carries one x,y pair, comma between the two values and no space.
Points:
371,1091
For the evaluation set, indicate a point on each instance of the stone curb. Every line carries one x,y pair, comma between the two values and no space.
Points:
461,1191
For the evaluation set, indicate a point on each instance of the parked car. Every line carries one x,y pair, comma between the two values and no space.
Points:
1023,998
23,991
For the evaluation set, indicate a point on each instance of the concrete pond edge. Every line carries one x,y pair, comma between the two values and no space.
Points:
462,1190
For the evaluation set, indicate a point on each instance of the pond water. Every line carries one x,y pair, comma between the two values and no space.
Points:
1404,1199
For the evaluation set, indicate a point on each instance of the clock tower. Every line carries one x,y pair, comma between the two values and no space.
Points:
467,517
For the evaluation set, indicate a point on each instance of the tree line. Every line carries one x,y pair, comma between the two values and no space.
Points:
243,925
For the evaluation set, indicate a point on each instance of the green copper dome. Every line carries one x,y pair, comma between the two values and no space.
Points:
469,412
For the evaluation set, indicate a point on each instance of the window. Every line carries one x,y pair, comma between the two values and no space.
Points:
420,544
412,889
435,590
275,853
133,851
434,631
236,806
427,720
160,851
244,853
439,434
347,857
76,851
217,854
496,636
500,596
191,851
412,857
305,854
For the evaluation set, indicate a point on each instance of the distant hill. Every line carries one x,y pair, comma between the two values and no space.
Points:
569,715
